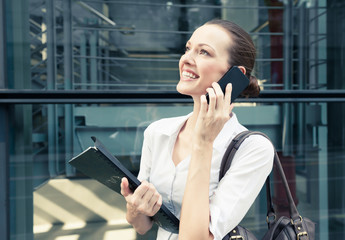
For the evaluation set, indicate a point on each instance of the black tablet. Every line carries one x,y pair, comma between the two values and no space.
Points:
98,163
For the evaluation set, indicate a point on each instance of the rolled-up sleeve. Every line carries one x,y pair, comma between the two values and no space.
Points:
240,186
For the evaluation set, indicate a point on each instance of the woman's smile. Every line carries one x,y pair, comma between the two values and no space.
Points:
188,75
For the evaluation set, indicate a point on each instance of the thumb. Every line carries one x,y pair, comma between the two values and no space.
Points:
125,191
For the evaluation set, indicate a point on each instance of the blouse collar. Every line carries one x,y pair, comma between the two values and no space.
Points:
231,128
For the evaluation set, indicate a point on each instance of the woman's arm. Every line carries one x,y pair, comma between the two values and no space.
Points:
241,185
195,216
141,205
195,212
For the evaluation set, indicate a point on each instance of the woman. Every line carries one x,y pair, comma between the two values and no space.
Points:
181,156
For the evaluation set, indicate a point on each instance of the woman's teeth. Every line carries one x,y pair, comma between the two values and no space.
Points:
188,74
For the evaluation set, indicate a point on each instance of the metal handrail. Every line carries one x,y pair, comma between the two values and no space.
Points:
139,3
97,13
156,96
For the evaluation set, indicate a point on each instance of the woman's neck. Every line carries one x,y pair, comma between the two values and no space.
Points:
190,124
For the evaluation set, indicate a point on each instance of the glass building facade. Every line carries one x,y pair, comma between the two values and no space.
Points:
74,69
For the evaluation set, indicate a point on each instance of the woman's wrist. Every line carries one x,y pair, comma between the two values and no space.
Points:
202,153
140,222
202,142
133,214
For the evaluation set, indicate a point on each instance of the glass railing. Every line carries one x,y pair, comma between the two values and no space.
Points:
63,202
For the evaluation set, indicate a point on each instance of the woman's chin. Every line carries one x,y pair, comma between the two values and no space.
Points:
182,90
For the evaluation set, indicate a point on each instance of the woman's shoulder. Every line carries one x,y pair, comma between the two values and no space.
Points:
256,149
258,140
257,143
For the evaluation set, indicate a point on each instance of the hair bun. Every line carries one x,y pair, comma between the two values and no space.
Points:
253,89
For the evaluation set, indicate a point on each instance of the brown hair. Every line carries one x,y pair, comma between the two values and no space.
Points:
242,53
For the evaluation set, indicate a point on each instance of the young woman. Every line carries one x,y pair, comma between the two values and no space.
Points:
181,156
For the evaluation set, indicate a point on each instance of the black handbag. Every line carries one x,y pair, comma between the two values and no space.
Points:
285,228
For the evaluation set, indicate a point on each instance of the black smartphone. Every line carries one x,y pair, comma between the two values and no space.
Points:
238,80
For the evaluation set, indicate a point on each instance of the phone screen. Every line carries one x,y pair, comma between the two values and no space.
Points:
238,80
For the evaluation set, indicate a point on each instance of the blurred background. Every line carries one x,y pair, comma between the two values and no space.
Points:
74,69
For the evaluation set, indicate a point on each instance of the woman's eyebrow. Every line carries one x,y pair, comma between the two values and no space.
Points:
201,45
207,45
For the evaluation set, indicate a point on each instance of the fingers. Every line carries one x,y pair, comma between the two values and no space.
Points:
227,99
231,107
204,105
147,192
125,191
150,201
217,99
145,199
212,99
157,205
228,91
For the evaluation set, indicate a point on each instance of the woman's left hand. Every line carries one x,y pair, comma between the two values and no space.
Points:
214,115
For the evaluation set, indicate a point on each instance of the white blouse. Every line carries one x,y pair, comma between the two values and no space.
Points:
230,198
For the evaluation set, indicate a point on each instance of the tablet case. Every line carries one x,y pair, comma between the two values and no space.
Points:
98,163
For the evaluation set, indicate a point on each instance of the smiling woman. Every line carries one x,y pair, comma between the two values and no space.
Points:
181,156
205,60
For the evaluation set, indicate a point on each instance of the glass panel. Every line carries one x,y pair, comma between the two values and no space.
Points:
66,203
57,201
137,45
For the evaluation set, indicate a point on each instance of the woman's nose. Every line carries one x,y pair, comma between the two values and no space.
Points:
188,57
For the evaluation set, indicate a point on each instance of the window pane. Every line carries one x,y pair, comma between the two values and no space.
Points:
65,202
136,46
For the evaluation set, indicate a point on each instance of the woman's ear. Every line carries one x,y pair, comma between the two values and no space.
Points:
243,69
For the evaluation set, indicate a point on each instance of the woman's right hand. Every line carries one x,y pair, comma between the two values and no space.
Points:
144,200
213,116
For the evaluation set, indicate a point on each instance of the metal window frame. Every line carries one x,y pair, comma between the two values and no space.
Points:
4,182
158,97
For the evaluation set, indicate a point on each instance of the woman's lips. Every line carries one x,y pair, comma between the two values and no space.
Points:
189,75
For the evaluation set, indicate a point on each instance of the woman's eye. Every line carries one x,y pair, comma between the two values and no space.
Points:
186,49
204,52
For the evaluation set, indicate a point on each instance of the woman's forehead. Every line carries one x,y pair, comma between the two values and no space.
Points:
213,35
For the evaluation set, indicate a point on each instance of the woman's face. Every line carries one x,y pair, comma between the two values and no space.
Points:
205,60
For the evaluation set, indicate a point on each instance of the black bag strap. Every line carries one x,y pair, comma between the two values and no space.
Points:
226,162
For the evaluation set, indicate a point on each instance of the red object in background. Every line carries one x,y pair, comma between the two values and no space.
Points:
280,200
275,19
